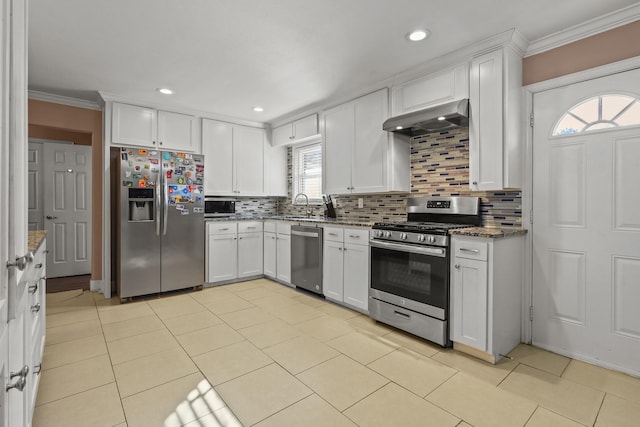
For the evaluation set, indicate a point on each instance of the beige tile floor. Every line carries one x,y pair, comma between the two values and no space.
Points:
260,353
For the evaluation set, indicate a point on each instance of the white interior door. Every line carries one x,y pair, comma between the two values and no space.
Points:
586,230
67,201
35,193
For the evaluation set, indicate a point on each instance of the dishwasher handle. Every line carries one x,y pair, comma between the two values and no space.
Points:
313,234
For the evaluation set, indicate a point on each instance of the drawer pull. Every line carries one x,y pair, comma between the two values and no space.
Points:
36,307
223,229
354,236
333,234
33,288
397,313
37,369
39,265
472,251
251,228
21,373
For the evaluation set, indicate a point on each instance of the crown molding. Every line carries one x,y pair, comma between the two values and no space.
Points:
112,97
589,28
64,100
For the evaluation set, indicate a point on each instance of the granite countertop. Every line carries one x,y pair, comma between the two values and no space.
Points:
495,233
35,239
319,220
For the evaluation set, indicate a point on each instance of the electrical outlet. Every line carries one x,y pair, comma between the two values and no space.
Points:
360,203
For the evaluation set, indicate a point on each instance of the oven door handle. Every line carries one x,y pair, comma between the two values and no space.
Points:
439,252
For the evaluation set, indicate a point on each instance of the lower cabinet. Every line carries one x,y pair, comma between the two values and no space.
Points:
234,250
26,334
250,250
269,257
345,274
486,292
283,252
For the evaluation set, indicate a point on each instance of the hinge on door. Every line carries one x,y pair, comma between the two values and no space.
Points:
531,120
531,313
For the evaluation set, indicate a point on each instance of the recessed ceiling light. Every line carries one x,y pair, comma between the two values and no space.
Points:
441,118
258,109
417,35
165,91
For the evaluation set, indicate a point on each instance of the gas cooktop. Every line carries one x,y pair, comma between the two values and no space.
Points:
417,226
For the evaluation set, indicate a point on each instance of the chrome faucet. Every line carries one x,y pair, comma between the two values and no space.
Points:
307,205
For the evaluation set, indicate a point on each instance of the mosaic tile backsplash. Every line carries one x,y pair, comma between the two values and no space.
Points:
439,167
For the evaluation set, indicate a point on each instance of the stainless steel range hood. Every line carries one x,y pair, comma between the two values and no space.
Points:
435,119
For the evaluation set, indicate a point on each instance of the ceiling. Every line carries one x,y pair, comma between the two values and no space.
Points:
227,56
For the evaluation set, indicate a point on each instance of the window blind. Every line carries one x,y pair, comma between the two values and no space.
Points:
307,171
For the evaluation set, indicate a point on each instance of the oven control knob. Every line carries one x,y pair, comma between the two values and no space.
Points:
387,234
431,239
403,236
421,238
378,233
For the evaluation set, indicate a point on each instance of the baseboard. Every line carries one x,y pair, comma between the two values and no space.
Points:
96,286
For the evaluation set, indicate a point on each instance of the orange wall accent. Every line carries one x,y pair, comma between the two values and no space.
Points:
48,120
601,49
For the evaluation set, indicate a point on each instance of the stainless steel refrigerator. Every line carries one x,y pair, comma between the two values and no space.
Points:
161,224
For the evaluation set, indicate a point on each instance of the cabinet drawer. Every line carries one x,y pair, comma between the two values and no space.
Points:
249,226
470,250
333,234
283,228
356,236
222,227
270,226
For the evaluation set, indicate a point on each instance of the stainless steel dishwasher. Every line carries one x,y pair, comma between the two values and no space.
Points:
306,257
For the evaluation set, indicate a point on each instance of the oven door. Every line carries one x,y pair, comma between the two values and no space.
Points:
411,276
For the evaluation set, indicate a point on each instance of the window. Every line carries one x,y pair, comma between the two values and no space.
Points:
307,171
600,112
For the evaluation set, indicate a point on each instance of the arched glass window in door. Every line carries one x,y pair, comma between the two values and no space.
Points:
599,112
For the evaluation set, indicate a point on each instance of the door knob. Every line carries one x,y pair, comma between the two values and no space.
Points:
51,217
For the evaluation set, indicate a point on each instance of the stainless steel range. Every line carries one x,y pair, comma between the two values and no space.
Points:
409,287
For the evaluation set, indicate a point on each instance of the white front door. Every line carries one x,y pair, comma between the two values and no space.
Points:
586,221
67,202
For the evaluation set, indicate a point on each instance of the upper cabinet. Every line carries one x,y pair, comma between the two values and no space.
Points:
234,159
148,127
431,90
359,157
495,129
295,131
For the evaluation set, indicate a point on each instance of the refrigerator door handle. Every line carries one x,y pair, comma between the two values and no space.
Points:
166,204
158,204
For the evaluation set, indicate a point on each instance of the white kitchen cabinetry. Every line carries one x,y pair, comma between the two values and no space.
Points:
148,127
431,90
283,252
345,274
26,331
250,247
495,124
234,159
275,170
270,249
234,250
359,157
486,289
296,131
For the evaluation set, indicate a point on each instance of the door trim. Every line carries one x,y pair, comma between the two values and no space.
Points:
527,187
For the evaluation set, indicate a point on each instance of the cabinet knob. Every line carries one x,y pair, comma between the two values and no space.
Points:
457,266
153,142
21,373
475,182
36,308
160,142
18,385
